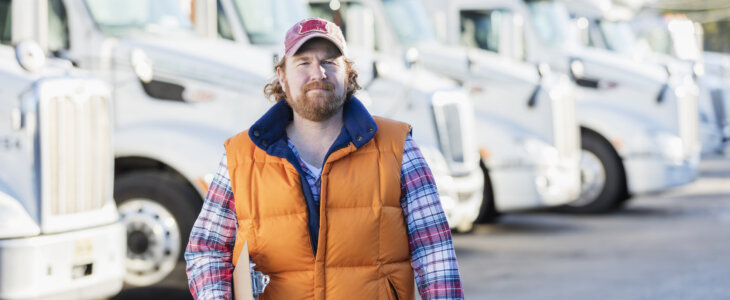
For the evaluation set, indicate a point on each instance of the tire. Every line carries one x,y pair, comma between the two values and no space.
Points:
488,213
159,212
603,180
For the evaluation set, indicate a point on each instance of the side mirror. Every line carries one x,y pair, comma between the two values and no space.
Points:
411,57
142,65
576,70
30,56
543,69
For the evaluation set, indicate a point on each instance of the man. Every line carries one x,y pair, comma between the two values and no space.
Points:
334,203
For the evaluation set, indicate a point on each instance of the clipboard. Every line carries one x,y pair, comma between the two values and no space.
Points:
242,289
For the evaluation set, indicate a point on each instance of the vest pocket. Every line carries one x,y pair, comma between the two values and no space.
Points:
393,292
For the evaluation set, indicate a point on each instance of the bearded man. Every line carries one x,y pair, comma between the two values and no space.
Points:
333,202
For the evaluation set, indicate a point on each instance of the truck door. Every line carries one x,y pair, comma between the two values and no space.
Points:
501,82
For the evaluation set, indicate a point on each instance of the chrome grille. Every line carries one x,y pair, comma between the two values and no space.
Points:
566,133
454,121
75,147
689,123
448,121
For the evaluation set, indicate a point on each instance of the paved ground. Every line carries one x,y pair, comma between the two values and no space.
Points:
669,246
674,245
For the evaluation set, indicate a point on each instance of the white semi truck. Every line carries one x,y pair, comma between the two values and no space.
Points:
670,43
60,233
523,166
176,98
438,110
638,125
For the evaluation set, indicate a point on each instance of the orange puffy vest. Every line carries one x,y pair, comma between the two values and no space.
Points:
363,248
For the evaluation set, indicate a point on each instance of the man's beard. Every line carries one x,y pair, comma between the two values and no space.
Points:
312,108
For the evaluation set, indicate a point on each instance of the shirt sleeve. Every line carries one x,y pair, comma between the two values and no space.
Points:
209,250
429,236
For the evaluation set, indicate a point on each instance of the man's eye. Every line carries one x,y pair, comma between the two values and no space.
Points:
303,63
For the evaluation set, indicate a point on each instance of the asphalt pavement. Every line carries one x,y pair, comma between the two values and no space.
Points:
672,245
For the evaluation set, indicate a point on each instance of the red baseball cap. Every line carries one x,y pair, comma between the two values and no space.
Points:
308,29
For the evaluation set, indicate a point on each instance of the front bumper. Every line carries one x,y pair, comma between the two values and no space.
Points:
653,173
81,264
461,199
529,187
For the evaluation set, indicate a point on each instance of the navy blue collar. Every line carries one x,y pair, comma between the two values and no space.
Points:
269,132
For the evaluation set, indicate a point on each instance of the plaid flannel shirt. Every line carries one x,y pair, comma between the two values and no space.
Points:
209,251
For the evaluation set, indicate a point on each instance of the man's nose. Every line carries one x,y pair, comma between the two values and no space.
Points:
317,71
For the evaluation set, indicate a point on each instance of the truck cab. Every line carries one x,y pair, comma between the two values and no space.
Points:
638,126
437,108
675,41
60,234
176,97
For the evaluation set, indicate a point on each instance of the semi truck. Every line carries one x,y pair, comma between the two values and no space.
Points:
638,125
669,42
60,233
520,161
175,99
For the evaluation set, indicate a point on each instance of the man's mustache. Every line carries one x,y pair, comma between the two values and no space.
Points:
319,85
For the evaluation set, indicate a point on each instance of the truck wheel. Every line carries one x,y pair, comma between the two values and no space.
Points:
488,213
158,211
603,181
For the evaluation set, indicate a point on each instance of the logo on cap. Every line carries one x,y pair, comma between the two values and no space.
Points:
313,25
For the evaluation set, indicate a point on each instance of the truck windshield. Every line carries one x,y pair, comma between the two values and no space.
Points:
266,22
618,36
123,17
552,23
409,20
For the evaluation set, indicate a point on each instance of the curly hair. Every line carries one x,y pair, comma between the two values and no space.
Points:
275,92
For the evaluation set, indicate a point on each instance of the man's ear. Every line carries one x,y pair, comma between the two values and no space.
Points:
282,77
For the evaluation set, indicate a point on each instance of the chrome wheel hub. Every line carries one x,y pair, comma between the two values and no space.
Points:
153,241
593,179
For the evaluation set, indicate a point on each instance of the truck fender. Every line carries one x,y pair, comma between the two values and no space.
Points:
628,133
193,151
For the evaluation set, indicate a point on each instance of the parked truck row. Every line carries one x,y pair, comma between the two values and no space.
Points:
515,105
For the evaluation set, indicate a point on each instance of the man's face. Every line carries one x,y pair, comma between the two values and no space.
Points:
314,80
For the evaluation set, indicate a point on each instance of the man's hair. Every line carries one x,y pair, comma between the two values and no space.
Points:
275,92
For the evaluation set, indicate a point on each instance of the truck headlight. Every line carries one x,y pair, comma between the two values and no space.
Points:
142,65
551,178
14,220
576,68
541,152
669,145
